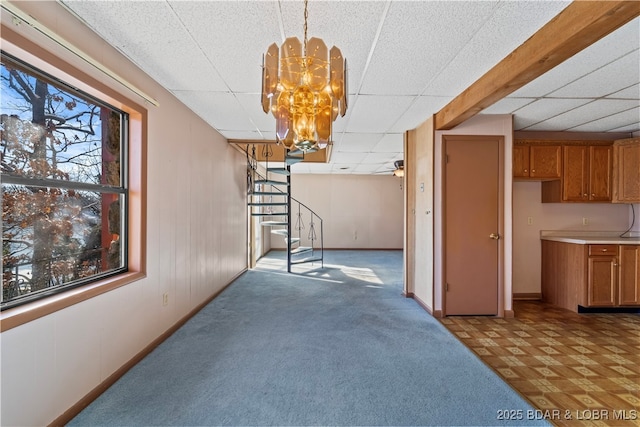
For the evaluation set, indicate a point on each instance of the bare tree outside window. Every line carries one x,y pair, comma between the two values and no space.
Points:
63,190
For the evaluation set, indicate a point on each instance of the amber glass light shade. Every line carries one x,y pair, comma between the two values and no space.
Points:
305,93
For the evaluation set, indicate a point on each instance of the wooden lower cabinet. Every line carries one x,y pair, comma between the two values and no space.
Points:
629,258
602,281
590,275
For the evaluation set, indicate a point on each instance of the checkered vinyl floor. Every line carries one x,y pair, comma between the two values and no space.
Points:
576,369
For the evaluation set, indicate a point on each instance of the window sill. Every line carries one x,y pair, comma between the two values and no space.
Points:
17,316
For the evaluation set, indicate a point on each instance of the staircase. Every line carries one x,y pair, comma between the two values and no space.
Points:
270,199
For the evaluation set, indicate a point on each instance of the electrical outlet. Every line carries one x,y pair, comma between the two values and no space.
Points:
529,220
585,221
165,299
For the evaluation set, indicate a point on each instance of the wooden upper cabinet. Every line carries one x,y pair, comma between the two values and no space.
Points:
626,171
587,173
575,161
600,173
539,162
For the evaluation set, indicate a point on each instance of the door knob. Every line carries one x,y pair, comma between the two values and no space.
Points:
494,236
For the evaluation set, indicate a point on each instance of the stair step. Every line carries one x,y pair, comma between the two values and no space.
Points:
293,240
272,223
268,193
280,232
267,204
270,182
292,160
269,214
310,259
297,152
279,171
301,250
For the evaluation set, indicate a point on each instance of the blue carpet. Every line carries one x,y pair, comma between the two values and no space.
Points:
328,346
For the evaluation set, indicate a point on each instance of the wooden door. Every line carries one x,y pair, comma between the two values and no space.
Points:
600,162
575,161
472,214
629,275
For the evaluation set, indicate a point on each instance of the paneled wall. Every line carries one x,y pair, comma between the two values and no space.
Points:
358,211
196,244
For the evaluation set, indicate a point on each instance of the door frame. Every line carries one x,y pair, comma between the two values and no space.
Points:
501,220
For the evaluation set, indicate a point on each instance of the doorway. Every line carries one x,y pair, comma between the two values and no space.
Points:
473,201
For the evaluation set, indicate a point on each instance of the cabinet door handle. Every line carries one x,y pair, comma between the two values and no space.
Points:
494,236
604,250
526,170
533,170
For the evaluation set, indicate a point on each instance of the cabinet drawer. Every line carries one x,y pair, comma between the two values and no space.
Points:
610,250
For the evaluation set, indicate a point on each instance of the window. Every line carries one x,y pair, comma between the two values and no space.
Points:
64,185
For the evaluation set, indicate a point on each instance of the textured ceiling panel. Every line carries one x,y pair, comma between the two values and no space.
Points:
377,113
544,109
220,110
391,143
602,52
151,35
418,40
215,26
609,79
614,121
357,142
507,28
418,111
584,114
406,60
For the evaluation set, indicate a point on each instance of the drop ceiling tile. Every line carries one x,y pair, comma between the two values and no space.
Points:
216,30
609,123
152,36
221,110
608,49
358,142
586,113
346,158
609,79
381,158
416,42
390,143
421,108
634,127
508,105
511,24
251,135
367,167
632,92
544,109
376,114
252,106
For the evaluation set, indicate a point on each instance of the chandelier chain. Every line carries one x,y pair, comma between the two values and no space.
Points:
306,15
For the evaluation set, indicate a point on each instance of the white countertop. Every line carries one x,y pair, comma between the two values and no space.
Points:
590,237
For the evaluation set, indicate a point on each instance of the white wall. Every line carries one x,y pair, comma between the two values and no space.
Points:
358,211
196,244
552,216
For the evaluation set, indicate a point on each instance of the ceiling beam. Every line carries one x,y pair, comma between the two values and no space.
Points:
579,25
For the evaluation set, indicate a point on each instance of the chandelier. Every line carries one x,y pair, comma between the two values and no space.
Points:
304,87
